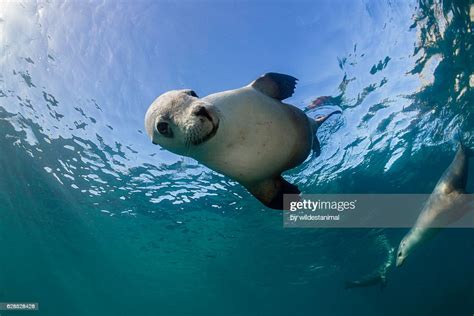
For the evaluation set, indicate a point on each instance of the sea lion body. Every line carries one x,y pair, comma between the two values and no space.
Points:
259,137
368,281
247,134
447,203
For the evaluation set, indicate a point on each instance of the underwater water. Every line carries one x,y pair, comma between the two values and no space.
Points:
95,220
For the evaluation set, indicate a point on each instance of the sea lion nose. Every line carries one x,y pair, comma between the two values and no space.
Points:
202,111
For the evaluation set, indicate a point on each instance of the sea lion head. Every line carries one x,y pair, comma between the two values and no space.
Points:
409,243
178,120
402,252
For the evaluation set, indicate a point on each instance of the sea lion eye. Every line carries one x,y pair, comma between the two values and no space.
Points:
400,254
164,129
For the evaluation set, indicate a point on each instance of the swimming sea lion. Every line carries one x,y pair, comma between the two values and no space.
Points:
446,204
368,281
379,276
247,134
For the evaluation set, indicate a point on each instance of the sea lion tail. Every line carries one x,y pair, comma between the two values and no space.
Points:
317,122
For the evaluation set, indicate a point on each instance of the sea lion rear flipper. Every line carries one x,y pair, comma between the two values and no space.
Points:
275,85
316,146
271,191
318,121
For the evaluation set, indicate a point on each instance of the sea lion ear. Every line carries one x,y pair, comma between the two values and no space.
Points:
191,93
275,85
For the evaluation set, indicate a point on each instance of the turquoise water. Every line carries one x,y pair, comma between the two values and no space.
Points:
94,220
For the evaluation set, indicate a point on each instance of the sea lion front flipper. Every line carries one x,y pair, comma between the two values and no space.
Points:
271,191
275,85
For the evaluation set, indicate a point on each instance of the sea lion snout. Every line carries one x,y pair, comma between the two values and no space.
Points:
202,111
205,115
399,261
202,123
401,253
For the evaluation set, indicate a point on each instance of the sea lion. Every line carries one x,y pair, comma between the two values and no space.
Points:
368,281
446,204
379,276
247,134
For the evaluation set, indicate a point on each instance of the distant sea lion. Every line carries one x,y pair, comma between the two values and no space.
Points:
446,204
247,134
372,280
379,276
